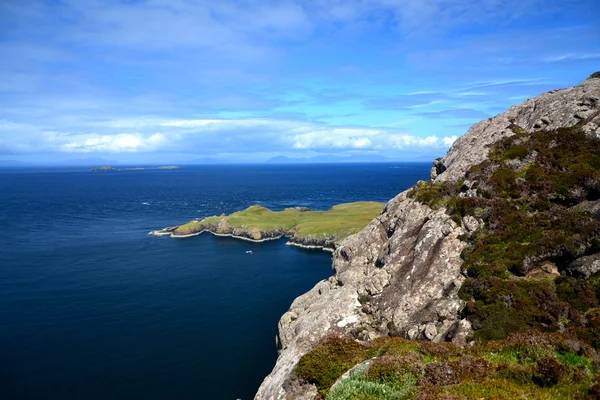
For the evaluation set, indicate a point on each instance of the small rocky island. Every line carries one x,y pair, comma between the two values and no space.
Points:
108,168
303,227
105,168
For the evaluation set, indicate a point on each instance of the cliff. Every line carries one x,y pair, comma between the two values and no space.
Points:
503,239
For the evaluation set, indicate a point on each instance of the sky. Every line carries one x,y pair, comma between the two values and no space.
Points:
184,81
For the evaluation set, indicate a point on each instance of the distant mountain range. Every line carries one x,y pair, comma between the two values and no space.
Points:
323,159
92,161
329,159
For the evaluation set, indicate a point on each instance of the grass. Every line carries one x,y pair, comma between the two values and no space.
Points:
357,388
523,366
337,223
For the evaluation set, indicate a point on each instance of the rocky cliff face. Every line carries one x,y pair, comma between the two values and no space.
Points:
549,111
401,275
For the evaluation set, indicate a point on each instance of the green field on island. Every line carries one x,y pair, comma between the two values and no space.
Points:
338,222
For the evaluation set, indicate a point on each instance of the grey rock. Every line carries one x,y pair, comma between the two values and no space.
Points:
584,266
552,110
437,169
460,332
430,331
470,223
593,207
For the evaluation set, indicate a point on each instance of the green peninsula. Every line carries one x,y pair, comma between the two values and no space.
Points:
304,227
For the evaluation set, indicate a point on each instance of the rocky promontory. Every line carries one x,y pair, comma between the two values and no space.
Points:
303,227
499,249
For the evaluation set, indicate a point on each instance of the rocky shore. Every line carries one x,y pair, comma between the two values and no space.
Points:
326,243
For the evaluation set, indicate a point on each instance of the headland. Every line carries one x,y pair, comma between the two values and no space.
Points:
304,227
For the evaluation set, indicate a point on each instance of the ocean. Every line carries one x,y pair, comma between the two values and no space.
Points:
92,307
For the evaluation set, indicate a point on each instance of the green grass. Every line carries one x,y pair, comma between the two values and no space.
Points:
524,366
357,388
337,223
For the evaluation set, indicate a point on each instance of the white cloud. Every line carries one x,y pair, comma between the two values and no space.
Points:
213,135
362,142
408,141
360,138
120,143
192,123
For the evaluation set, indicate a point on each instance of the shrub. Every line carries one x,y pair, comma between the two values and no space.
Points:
329,360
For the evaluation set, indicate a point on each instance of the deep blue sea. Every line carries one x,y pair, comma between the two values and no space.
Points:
92,307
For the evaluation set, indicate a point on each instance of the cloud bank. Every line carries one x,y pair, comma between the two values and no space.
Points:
251,79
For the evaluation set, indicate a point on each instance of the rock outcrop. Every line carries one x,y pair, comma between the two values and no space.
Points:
401,275
551,110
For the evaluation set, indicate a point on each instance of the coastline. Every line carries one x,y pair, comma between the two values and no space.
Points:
291,242
305,246
231,235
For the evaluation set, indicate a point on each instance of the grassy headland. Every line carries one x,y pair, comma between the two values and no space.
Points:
302,225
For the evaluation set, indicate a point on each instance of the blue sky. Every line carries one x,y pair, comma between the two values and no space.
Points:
158,81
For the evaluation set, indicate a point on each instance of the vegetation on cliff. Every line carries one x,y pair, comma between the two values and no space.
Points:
532,299
258,222
523,366
529,194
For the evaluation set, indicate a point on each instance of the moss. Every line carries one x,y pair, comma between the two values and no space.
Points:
329,360
579,293
391,368
516,151
434,195
365,298
517,129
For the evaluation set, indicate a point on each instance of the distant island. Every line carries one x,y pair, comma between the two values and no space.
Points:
330,159
105,168
303,227
108,168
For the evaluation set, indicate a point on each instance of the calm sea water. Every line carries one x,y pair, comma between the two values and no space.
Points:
91,307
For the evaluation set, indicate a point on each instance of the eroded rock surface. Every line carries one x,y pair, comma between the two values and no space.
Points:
405,269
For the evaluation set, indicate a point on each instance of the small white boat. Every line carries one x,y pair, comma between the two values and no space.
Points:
249,252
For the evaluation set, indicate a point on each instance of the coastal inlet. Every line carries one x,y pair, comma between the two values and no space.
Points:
304,227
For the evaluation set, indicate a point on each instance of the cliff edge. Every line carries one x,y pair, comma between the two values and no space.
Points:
402,275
